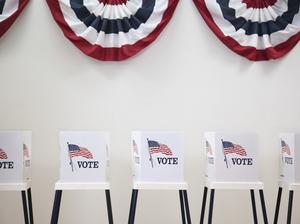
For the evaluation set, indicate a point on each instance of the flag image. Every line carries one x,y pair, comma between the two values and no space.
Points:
208,148
285,148
135,148
76,151
231,148
156,147
3,155
25,151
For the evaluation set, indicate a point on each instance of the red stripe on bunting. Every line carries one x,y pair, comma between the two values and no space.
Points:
5,24
110,54
251,53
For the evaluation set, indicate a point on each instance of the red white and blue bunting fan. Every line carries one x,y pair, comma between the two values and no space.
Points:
112,30
256,29
9,11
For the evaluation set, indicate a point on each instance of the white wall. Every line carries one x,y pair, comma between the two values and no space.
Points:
187,81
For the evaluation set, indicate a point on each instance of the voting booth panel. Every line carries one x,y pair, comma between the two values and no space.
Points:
289,157
289,144
158,157
15,156
84,157
231,157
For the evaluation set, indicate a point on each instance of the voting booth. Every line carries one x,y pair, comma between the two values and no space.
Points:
289,157
158,157
158,164
83,157
232,163
15,163
289,152
231,158
15,154
84,163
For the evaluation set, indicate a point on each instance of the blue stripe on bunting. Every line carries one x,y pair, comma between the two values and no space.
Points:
260,29
2,2
114,25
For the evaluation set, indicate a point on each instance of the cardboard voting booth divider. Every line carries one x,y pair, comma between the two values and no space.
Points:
84,164
15,155
289,152
15,164
289,157
84,157
158,164
232,163
158,157
231,158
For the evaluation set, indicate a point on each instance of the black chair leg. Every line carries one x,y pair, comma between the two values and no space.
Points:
133,203
278,205
211,206
30,206
187,207
182,206
109,209
203,205
253,206
290,208
263,206
25,210
56,207
130,209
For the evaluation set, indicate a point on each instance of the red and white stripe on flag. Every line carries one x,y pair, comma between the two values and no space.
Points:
3,155
83,152
164,149
9,11
286,149
112,30
255,29
236,149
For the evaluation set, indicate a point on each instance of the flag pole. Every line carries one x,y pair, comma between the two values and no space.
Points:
71,161
225,157
150,155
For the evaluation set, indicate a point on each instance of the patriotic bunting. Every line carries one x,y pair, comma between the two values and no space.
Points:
256,29
9,11
112,30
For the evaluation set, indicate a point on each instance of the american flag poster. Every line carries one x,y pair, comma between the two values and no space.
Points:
285,148
3,154
209,151
235,158
156,147
13,168
232,148
83,156
288,143
161,156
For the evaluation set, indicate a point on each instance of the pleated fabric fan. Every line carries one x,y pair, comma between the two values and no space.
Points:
9,11
112,30
256,29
